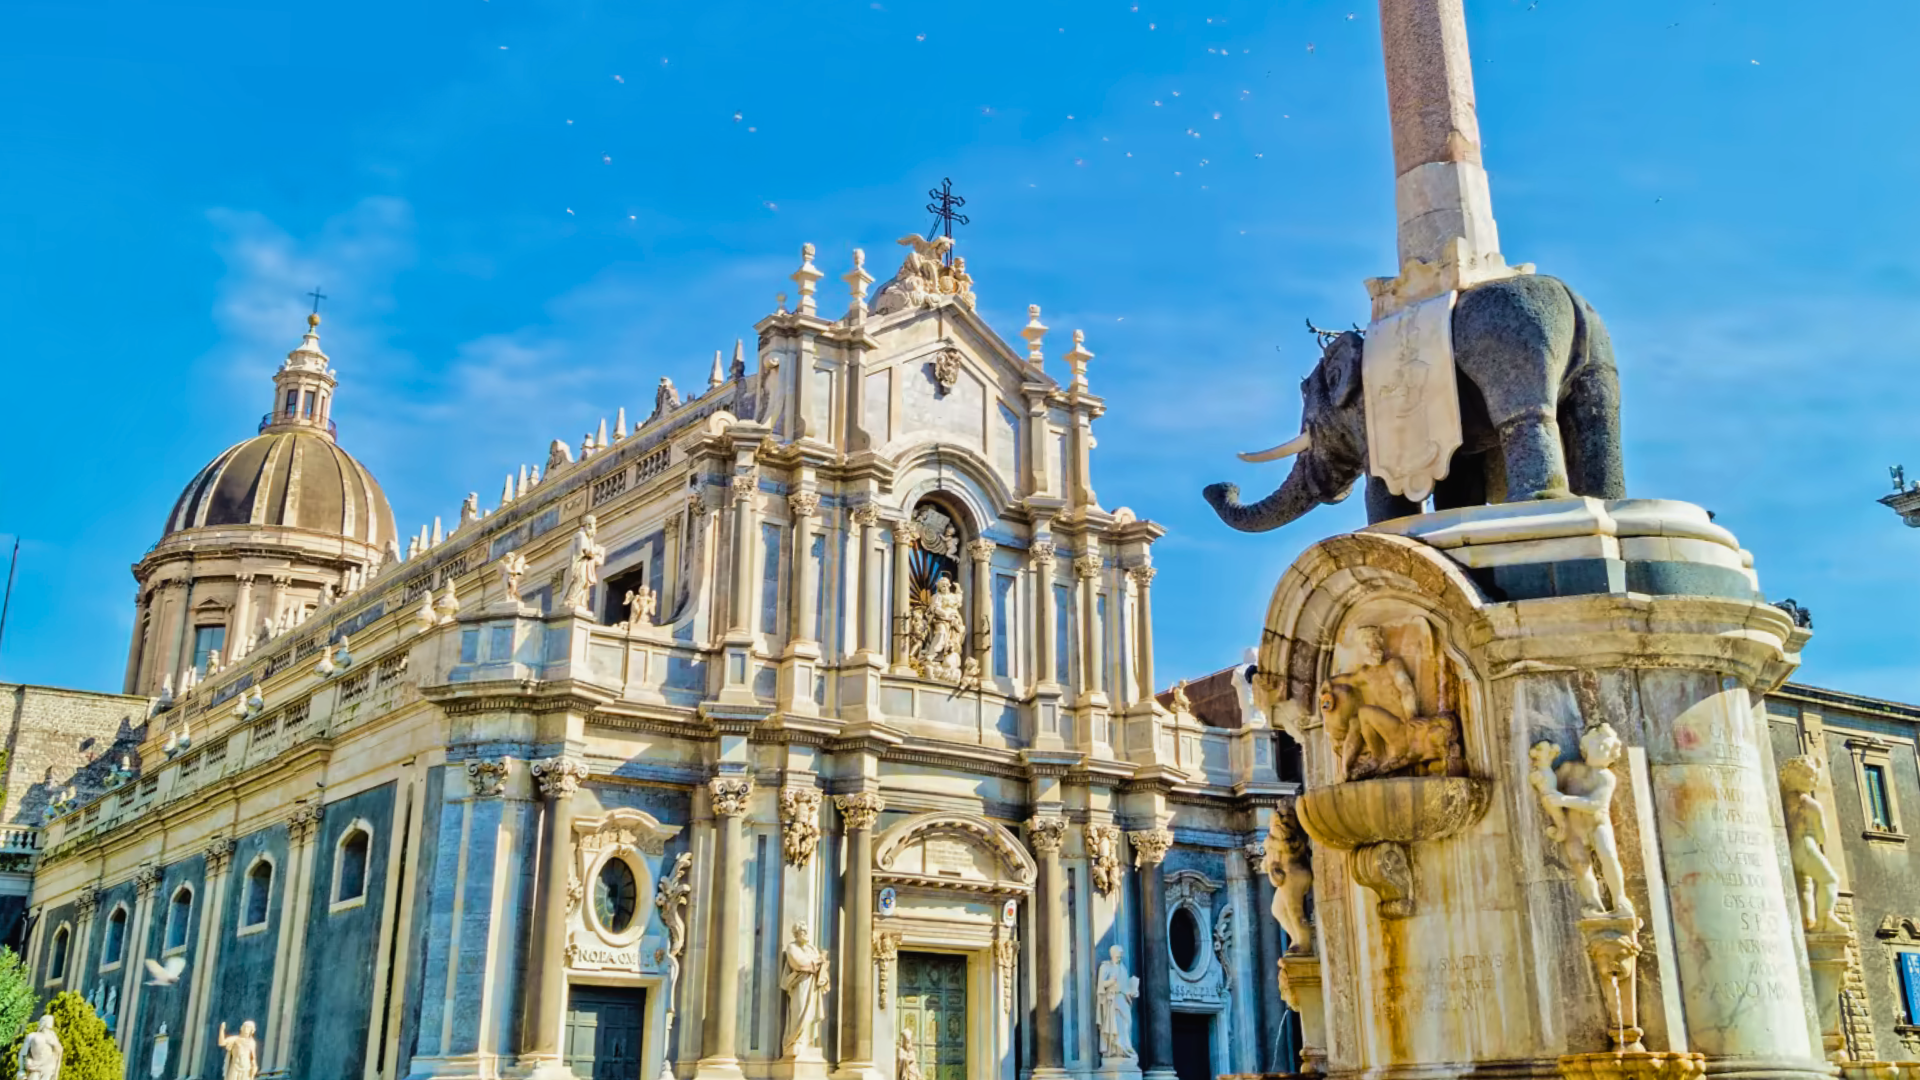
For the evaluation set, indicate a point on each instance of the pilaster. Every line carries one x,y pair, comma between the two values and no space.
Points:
802,656
719,1029
1047,690
558,780
859,812
1150,848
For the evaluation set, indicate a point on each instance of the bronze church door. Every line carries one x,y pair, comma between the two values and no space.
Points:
933,1012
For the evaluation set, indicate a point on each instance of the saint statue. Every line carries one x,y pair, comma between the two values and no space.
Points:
946,629
41,1052
1114,990
804,977
583,572
243,1056
513,567
906,1066
1806,840
1584,791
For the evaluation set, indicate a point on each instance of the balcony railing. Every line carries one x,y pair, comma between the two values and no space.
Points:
283,418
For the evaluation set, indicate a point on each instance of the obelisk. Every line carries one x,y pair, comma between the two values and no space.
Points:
1446,232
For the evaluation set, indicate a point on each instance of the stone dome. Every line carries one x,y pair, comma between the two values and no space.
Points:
286,477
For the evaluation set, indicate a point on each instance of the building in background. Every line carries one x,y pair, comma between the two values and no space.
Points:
807,727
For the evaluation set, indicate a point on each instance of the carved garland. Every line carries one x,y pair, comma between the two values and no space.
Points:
1006,951
886,949
799,823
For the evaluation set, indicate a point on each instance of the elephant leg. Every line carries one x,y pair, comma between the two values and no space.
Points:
1384,505
1590,430
1465,483
1536,464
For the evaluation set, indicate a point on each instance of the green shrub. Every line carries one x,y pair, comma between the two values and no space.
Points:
90,1051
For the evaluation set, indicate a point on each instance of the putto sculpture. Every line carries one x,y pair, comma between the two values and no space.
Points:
1289,865
1813,873
1579,806
1372,714
1538,413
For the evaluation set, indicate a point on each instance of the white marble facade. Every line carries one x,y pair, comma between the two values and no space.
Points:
891,692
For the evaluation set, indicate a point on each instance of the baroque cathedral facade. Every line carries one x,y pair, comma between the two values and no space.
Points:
807,728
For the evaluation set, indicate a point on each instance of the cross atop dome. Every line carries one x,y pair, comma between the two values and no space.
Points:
303,387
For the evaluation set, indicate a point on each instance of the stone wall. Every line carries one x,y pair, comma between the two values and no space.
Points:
241,986
77,734
337,998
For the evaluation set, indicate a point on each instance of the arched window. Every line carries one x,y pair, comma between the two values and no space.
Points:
179,918
253,911
350,865
114,949
57,958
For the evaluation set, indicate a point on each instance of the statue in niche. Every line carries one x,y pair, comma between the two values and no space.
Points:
1579,804
1289,865
804,976
41,1052
1114,991
583,571
1372,714
1806,840
243,1057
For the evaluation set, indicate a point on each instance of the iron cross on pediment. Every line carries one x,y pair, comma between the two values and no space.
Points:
944,209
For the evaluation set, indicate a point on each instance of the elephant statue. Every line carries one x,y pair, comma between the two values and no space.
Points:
1539,413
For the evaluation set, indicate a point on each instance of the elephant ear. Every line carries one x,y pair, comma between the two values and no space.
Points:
1341,366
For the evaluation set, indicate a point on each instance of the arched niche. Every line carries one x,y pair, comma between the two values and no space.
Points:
953,852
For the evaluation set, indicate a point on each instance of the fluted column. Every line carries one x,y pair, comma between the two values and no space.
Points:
806,576
302,824
746,525
219,855
1156,1042
867,563
239,631
558,779
858,812
719,1028
1143,631
982,551
905,533
1092,670
146,880
1045,832
1042,554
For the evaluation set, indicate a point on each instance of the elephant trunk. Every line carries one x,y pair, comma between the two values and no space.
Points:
1295,496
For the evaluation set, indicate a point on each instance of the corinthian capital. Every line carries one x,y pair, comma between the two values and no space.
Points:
803,503
860,809
866,515
745,484
1042,553
982,549
730,794
1087,566
1150,846
1046,831
1142,575
558,777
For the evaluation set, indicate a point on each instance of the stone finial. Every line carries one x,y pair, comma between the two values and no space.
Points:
600,434
506,492
620,425
524,486
806,278
858,280
779,303
1035,332
739,368
439,535
718,377
1077,359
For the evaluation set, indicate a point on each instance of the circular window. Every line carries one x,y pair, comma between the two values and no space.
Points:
1183,939
613,896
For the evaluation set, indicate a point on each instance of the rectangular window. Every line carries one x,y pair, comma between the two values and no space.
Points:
1879,813
1062,632
205,640
306,404
818,553
293,401
1003,625
770,580
1910,986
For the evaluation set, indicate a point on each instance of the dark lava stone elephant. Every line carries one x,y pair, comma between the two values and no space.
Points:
1539,412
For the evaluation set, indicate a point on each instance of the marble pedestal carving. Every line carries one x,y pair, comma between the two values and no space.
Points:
1555,843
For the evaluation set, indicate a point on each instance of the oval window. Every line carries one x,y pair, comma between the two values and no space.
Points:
613,896
1183,939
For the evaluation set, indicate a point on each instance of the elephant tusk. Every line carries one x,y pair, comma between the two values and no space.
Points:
1295,445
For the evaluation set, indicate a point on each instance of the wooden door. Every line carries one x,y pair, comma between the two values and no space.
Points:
933,1012
604,1028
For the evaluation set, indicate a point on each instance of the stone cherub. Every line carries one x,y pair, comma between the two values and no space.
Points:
1806,838
1289,865
1372,714
641,604
1583,792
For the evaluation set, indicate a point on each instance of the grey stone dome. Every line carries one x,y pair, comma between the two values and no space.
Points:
289,478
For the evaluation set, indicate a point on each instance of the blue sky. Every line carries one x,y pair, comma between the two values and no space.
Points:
1731,184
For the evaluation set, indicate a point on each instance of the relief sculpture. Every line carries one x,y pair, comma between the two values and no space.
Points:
1373,717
